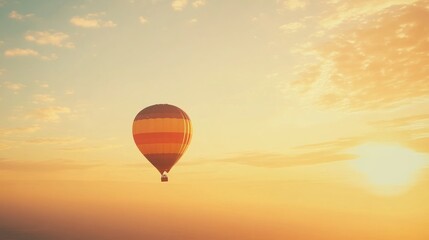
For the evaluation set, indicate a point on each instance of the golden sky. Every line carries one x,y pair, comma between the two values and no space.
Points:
310,119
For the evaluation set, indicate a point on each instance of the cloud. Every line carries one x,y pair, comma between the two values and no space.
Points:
4,146
198,3
294,4
43,166
1,43
89,148
54,140
179,5
2,71
18,130
336,145
17,16
50,57
413,131
142,20
419,144
193,21
13,86
357,11
271,160
371,66
291,27
20,52
43,98
49,114
302,155
57,39
92,20
403,121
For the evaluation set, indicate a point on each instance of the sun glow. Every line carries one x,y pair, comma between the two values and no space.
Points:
390,169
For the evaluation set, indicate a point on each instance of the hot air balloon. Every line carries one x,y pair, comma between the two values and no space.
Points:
162,133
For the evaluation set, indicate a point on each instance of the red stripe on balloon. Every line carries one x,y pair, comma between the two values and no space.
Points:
160,137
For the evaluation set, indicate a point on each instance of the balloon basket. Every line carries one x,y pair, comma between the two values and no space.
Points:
164,178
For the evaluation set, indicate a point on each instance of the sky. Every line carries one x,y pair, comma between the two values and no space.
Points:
310,119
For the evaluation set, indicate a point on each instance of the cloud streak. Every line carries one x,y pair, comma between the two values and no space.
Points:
413,130
16,52
198,3
381,63
43,98
294,4
18,16
43,166
271,160
13,86
291,27
179,5
54,140
49,114
58,39
92,20
18,130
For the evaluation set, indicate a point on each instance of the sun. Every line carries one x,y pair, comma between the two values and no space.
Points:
389,169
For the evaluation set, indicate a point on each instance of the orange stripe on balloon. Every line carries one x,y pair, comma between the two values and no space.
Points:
187,137
159,125
160,137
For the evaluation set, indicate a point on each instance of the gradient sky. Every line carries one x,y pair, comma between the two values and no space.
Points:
310,119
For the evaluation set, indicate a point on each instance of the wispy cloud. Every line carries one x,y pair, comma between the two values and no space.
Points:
348,11
18,130
291,27
43,166
198,3
18,16
49,114
371,66
20,52
294,4
2,71
57,39
309,154
54,140
90,147
414,120
193,21
13,86
412,131
4,146
179,5
43,98
271,160
92,20
142,20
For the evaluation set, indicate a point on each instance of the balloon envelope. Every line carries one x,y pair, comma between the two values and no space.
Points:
162,133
